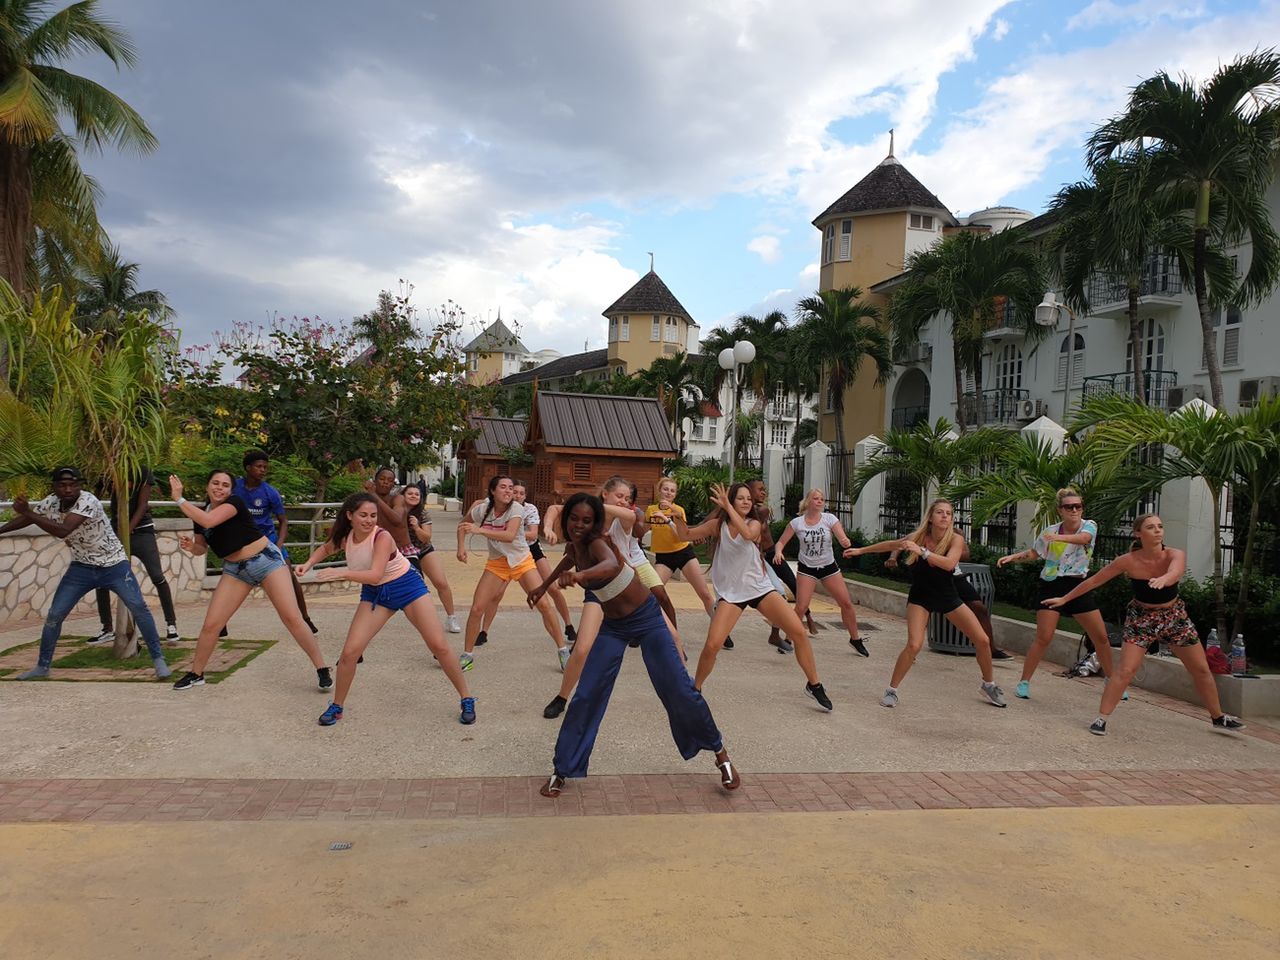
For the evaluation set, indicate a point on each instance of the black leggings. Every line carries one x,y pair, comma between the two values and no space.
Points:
783,570
142,544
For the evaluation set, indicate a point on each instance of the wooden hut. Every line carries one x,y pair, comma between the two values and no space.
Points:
579,440
487,454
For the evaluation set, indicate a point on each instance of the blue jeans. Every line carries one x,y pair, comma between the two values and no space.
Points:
257,568
692,726
81,579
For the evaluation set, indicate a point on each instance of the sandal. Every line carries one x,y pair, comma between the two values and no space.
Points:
553,786
729,778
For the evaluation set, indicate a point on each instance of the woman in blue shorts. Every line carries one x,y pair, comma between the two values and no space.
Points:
388,584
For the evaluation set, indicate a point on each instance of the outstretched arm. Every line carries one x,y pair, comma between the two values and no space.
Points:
1112,570
842,538
884,546
326,549
565,563
201,518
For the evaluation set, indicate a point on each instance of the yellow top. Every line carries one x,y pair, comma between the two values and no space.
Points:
662,537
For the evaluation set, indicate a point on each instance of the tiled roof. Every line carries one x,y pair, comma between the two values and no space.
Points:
1038,225
569,366
496,338
602,422
498,434
890,186
649,295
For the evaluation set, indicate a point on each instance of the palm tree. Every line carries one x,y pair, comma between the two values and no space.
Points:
838,331
676,382
932,455
1260,478
768,334
1217,141
35,92
1118,225
111,290
966,276
801,383
1198,441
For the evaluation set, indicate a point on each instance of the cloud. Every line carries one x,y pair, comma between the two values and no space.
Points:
999,29
767,247
1107,12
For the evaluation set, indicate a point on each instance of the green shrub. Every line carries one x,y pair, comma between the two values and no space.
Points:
695,486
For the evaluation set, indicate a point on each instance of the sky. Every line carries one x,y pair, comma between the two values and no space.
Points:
528,157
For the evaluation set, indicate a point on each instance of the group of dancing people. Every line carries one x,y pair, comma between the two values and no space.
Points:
385,537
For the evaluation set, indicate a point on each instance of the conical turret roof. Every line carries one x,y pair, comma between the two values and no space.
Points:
890,186
649,295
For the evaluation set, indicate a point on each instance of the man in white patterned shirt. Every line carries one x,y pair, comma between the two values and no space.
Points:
97,560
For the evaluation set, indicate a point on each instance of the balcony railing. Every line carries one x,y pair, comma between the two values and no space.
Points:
1160,278
904,418
997,407
1156,385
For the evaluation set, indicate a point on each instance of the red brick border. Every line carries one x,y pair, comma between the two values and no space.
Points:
98,801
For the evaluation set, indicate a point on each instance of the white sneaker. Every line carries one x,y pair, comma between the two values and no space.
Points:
105,637
451,624
890,699
171,633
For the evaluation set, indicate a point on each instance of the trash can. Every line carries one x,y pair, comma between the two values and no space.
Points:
943,636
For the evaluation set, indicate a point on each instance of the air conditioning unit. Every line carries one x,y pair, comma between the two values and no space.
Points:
1030,410
1182,394
1251,391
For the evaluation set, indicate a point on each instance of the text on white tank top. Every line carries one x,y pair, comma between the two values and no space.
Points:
738,570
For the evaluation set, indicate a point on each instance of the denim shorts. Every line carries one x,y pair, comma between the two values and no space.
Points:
397,594
257,568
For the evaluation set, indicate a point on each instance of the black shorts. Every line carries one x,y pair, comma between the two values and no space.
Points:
966,591
676,559
1060,587
535,549
934,600
818,573
754,604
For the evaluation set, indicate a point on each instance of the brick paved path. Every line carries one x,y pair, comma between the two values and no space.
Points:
99,801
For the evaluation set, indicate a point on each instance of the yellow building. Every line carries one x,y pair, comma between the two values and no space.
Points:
645,323
496,353
867,236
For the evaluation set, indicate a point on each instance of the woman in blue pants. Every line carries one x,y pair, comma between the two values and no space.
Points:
630,613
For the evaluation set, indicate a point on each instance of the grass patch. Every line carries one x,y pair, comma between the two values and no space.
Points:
101,658
81,656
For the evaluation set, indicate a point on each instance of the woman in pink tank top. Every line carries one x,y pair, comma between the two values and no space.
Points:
388,583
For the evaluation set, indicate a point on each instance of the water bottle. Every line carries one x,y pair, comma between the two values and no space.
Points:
1239,662
1213,640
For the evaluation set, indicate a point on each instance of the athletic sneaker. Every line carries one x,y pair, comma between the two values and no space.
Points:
35,673
451,623
858,645
162,668
815,692
189,680
468,715
324,678
890,699
728,643
782,643
482,638
1098,727
555,707
563,654
994,694
331,716
1228,722
105,637
570,634
1023,690
465,661
171,633
1000,654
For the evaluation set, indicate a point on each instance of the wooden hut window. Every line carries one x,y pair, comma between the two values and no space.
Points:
582,471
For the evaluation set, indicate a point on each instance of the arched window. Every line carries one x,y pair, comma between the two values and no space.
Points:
1072,358
1009,368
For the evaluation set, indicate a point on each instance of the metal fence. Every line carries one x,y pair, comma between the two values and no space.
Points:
839,479
1156,385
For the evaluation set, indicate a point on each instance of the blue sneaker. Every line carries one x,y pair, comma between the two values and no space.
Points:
331,716
1023,690
468,715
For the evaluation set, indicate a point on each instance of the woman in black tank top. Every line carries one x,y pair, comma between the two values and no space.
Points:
933,549
250,559
1156,614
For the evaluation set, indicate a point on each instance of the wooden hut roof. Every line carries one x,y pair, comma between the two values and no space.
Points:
602,422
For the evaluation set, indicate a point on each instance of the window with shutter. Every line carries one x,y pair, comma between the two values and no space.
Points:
581,471
624,330
655,329
829,243
846,239
1076,360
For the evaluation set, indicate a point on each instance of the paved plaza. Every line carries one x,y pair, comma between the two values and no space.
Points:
211,812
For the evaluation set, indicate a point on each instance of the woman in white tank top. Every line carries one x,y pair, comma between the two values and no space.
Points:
738,575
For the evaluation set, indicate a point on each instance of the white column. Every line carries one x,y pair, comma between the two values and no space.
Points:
1187,511
866,511
775,478
1054,434
815,465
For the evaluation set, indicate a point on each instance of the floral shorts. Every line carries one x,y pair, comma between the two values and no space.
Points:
1169,625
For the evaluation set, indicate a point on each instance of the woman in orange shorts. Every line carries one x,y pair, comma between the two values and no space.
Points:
501,521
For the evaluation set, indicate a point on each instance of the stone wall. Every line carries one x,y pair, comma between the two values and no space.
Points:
32,563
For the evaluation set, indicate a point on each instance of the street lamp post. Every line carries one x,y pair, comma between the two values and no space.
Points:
1047,315
743,351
